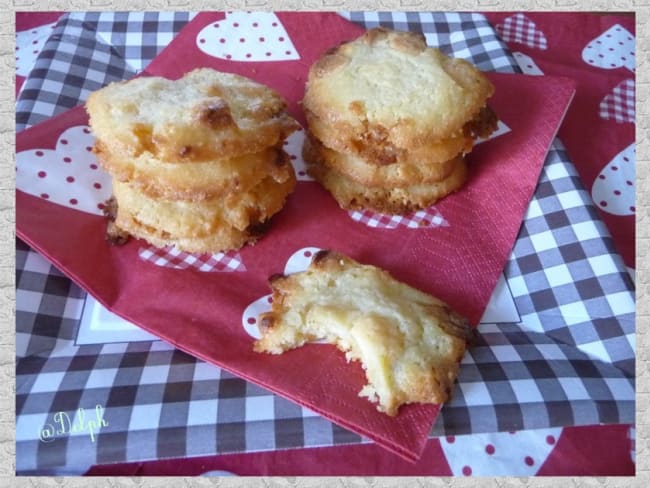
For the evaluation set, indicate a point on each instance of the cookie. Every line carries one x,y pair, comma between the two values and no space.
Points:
381,154
196,181
351,195
387,92
371,175
223,238
408,342
201,218
205,115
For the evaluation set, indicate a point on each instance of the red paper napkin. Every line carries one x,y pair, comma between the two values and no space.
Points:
456,252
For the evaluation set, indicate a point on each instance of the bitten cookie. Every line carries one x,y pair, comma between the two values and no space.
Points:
408,342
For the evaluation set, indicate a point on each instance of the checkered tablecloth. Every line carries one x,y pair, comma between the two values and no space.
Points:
567,360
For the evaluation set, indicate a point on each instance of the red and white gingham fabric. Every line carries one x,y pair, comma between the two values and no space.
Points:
429,217
519,28
173,258
619,105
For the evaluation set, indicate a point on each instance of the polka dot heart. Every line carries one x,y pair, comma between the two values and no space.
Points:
293,147
247,36
499,454
29,44
252,312
68,175
299,261
614,189
527,65
614,48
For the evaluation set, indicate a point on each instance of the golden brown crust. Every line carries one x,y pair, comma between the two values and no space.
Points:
225,238
351,195
484,124
399,334
332,60
214,114
198,219
114,235
412,95
390,175
196,181
205,115
375,148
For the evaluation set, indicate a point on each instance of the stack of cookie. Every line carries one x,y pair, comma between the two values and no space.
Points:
390,121
196,163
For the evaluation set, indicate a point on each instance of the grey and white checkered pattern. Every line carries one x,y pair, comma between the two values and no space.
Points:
158,402
89,50
49,305
549,370
52,87
137,37
514,379
565,269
